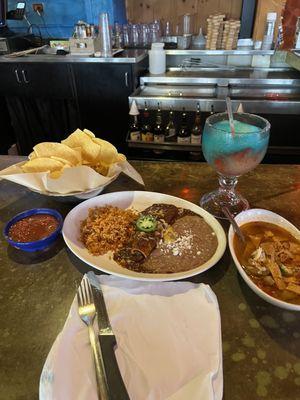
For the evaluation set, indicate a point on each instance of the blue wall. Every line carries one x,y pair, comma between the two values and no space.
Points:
61,15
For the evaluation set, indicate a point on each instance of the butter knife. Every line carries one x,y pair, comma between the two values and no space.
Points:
107,339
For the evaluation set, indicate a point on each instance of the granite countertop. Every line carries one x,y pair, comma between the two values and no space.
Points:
127,56
261,352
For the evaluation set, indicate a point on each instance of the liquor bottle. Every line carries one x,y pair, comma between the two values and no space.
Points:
184,135
158,132
147,133
135,133
170,131
196,133
134,128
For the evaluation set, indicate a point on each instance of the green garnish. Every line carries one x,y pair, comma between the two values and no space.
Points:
146,223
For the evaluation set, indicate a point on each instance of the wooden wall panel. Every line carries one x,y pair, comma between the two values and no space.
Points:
184,7
263,7
146,11
139,11
163,8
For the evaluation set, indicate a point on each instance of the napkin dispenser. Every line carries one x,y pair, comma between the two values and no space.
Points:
84,46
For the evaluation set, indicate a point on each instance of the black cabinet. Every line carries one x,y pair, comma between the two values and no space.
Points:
40,80
47,100
10,82
41,101
7,132
102,92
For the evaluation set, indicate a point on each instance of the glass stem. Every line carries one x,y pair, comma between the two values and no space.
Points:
227,183
227,188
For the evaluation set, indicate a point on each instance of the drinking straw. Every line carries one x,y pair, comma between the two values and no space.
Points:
230,115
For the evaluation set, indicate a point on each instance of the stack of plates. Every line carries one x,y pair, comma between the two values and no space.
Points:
214,31
230,34
222,34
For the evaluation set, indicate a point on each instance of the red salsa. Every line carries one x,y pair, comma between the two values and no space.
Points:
32,228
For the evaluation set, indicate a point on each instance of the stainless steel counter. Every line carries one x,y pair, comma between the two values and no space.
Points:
293,59
237,52
232,75
131,56
262,91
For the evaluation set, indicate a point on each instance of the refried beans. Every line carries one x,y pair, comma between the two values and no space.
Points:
196,243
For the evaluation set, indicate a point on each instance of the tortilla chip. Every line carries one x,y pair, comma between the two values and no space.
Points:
292,287
109,153
121,157
79,148
48,149
62,160
276,274
89,133
90,151
76,139
32,155
42,164
57,174
101,169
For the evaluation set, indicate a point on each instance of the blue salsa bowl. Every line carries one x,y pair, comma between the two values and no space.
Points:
37,245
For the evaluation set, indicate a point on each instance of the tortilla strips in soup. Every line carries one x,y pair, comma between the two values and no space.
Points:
271,258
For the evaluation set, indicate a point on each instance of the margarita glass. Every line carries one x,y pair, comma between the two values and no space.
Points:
232,155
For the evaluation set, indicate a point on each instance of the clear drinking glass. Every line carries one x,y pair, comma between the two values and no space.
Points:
135,35
118,36
145,35
232,156
154,33
126,36
186,24
168,29
157,23
105,36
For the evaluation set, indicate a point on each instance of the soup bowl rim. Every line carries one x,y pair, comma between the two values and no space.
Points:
262,215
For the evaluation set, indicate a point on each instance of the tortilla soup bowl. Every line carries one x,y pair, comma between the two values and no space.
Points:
34,230
269,260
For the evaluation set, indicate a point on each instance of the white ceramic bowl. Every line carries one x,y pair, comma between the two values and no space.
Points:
257,214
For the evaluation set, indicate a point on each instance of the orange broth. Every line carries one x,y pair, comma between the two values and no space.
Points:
260,234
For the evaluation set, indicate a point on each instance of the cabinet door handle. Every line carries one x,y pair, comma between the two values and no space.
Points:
17,76
24,76
126,79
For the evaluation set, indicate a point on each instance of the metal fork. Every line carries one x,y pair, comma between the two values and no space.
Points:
87,313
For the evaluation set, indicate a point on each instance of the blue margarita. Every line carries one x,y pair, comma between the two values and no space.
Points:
234,154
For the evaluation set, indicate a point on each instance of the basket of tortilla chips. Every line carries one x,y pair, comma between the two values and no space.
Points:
81,166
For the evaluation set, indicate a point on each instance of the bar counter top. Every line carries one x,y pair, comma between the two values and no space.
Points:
261,343
126,56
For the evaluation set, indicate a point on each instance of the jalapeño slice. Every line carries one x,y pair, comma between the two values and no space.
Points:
146,223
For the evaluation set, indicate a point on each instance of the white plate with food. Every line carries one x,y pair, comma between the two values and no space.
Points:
269,260
144,235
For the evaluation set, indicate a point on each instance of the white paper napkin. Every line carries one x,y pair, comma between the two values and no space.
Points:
169,344
72,180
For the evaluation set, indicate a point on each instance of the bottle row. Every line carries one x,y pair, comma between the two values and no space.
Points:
160,127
